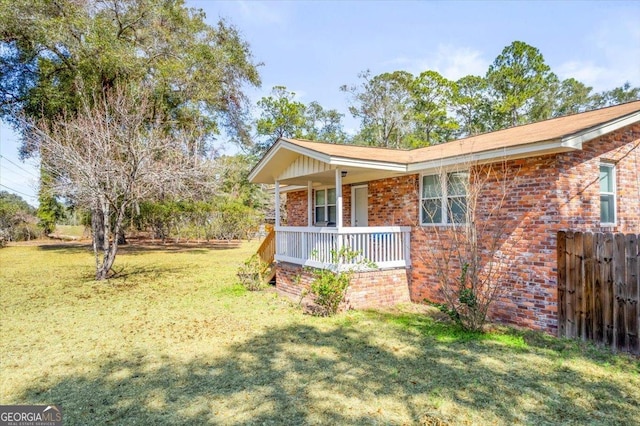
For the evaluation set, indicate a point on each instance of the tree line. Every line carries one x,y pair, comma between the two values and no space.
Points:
401,110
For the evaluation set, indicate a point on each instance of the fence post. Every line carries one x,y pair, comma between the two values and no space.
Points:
632,245
562,283
571,288
607,283
598,290
587,297
619,307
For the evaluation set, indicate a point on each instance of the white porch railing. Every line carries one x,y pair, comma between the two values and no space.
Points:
386,246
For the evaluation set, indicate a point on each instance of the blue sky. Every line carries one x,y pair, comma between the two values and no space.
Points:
313,48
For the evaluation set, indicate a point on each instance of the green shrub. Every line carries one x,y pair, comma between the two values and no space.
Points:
330,285
252,273
329,289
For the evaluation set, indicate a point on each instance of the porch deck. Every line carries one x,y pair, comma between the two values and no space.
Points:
386,246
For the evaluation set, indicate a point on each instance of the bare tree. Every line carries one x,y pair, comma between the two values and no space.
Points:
471,242
112,155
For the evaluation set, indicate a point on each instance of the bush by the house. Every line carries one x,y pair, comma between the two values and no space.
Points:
252,273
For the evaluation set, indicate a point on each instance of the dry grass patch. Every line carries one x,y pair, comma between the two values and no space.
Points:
175,340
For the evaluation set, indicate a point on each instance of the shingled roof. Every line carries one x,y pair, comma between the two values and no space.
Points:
548,136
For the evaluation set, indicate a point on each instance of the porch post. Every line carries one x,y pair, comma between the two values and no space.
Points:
309,203
305,240
339,221
277,224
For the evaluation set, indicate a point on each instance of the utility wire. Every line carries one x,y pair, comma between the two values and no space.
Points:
4,168
13,182
11,162
19,192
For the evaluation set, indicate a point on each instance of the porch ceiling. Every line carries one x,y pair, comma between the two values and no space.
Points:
354,175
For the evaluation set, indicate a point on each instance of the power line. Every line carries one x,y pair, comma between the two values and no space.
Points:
19,192
13,182
10,170
24,170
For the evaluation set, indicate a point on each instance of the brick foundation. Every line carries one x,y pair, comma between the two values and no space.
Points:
367,289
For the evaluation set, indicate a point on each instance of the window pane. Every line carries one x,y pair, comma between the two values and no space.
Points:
457,210
332,214
331,195
431,211
457,183
320,198
431,186
606,179
320,214
607,209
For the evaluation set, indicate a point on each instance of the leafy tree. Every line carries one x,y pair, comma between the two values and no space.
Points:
431,95
233,178
383,105
517,80
282,116
50,210
17,219
572,97
471,105
324,125
618,95
57,55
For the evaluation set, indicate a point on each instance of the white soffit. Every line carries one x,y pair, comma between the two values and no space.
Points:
576,140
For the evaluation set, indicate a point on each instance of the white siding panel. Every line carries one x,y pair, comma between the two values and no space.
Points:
304,166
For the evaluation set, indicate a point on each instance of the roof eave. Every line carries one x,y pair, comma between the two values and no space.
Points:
514,152
281,144
576,140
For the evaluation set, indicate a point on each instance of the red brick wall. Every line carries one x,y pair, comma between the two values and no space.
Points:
579,188
297,212
296,205
394,201
366,290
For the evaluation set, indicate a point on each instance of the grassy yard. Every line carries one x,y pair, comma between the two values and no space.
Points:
174,340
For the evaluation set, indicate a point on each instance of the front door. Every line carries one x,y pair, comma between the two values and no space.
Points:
360,215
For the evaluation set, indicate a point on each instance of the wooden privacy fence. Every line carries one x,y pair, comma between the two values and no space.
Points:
599,287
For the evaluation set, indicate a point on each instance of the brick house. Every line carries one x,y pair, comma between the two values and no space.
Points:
580,172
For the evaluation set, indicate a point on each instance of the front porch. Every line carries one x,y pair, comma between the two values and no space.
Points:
333,207
386,247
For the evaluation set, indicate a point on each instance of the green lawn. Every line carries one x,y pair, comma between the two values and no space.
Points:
70,232
175,341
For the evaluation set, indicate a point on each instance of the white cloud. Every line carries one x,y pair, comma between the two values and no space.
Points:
260,12
616,43
584,71
453,62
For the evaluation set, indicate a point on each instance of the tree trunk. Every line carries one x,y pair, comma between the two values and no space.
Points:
97,228
110,246
121,238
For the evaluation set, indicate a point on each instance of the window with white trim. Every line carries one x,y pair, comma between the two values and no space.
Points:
325,205
607,194
443,198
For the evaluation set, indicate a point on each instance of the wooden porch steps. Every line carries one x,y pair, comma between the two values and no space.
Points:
270,275
267,253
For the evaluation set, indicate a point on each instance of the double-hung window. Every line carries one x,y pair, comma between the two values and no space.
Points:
443,198
325,205
607,194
